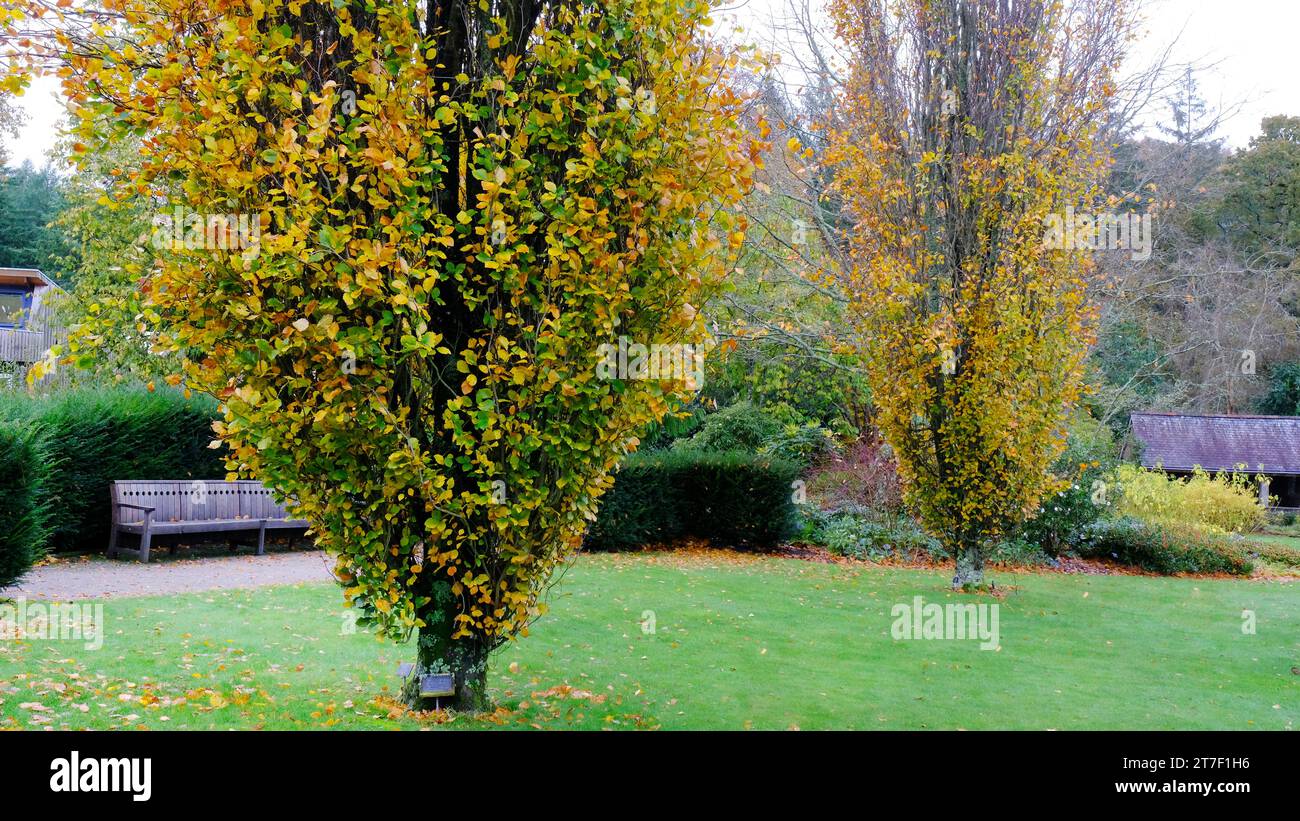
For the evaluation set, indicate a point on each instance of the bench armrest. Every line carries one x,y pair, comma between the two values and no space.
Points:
136,507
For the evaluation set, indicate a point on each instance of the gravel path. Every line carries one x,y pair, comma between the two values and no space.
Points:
95,577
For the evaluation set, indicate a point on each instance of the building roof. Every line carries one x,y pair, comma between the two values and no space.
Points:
24,276
1180,442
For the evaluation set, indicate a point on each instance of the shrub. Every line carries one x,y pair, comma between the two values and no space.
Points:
732,498
1018,551
1223,502
1282,522
1165,548
679,425
1089,454
771,374
740,427
803,443
1062,517
862,535
643,507
1277,553
865,474
23,512
91,437
778,431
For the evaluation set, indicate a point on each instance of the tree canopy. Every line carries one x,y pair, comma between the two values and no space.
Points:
963,127
454,203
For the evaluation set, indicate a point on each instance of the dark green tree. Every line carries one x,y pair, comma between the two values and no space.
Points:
1259,212
1283,397
31,199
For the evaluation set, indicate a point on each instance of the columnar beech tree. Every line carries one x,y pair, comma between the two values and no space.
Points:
457,202
962,125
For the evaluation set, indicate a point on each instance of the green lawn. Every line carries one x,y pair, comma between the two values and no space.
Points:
768,643
1292,542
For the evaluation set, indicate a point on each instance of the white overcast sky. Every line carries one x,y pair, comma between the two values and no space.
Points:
1249,44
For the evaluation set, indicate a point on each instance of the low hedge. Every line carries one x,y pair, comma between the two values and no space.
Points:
23,511
1287,556
859,536
732,498
90,437
1165,549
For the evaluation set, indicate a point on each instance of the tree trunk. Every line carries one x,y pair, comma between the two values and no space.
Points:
437,652
970,566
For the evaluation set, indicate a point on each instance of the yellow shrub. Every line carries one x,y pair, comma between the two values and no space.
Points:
1221,502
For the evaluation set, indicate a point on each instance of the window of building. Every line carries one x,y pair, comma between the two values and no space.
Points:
11,309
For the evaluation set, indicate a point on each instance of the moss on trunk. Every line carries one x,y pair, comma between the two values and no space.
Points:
970,567
437,652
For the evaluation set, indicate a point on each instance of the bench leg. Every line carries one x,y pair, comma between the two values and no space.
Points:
261,539
145,539
112,544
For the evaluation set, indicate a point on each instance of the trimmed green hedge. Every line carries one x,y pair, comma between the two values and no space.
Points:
91,437
732,498
23,512
1163,548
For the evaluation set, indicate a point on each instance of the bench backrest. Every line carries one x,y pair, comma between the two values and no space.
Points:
190,500
257,501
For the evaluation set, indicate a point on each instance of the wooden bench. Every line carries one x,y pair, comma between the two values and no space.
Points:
149,509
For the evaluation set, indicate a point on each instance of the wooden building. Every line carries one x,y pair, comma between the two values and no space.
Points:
26,331
1268,445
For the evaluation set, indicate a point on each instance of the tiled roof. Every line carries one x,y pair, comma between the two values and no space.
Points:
1178,441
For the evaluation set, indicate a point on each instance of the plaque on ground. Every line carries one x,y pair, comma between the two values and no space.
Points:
436,685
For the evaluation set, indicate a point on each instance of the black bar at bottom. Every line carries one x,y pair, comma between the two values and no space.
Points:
388,771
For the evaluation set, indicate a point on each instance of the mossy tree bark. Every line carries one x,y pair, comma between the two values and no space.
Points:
970,566
466,659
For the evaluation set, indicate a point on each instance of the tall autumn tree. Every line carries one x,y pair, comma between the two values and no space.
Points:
457,203
962,125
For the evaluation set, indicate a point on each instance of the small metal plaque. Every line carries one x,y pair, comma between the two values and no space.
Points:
437,684
404,669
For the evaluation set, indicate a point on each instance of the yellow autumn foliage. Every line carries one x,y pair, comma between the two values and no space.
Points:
962,126
1220,502
454,204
